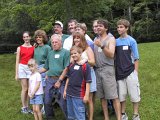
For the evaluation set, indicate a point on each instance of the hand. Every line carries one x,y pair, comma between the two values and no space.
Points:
31,95
97,42
82,62
86,99
57,84
64,94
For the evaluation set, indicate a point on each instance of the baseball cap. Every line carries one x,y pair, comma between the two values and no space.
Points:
58,23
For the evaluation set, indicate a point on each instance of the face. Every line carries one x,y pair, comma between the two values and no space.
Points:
121,29
75,55
77,41
101,29
71,27
39,39
57,29
26,37
32,67
56,43
78,29
95,27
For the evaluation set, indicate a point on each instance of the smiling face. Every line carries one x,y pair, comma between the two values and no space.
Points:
71,27
26,38
75,55
76,40
56,42
57,29
39,39
95,27
101,29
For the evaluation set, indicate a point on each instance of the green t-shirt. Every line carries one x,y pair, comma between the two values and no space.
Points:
41,53
64,36
57,61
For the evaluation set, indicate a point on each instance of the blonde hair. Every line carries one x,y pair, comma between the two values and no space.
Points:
82,26
76,48
32,62
41,33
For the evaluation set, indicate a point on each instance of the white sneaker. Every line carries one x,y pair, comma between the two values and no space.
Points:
124,117
136,117
42,110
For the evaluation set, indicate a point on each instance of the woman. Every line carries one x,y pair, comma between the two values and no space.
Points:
24,53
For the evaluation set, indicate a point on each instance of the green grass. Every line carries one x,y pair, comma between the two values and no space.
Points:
149,74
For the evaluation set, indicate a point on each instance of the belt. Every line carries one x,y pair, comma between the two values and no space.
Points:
54,77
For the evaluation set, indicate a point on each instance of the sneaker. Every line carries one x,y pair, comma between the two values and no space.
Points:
29,110
24,110
43,111
135,117
124,116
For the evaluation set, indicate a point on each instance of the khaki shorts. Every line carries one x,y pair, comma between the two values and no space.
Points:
130,85
23,71
106,83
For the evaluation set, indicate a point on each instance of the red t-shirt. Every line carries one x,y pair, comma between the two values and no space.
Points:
26,53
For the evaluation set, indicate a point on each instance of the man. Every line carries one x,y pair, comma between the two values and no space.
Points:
58,29
104,50
56,64
69,41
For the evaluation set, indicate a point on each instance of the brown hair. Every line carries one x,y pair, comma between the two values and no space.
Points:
41,33
123,22
105,23
83,43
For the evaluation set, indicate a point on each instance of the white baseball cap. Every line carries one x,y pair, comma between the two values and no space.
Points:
58,23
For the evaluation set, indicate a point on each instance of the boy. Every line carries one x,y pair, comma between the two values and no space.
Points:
127,69
77,86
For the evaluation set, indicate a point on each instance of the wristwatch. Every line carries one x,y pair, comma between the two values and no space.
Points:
102,47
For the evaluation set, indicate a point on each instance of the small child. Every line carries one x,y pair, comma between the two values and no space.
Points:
126,61
35,90
77,86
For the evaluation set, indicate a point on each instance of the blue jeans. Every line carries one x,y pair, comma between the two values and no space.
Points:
75,108
52,93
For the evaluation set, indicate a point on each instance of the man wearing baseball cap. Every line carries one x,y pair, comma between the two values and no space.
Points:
58,29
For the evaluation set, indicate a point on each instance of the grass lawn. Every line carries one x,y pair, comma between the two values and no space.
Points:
149,77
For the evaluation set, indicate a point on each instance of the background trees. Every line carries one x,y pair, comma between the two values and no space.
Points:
21,15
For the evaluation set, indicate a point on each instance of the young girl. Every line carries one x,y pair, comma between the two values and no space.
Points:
24,53
35,90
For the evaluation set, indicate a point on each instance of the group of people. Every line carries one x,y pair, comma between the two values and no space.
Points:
72,69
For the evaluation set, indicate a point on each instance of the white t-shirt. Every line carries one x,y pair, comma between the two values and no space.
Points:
68,43
32,83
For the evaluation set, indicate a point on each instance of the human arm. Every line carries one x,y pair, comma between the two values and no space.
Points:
109,48
35,89
91,58
61,78
86,97
17,62
65,89
42,70
136,64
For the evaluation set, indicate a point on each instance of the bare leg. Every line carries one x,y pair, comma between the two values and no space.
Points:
91,106
123,106
135,108
35,112
24,92
39,113
117,108
105,108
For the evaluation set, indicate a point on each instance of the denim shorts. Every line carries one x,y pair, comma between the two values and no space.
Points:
93,85
43,75
23,71
75,108
37,100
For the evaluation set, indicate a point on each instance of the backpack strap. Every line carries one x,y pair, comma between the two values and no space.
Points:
84,70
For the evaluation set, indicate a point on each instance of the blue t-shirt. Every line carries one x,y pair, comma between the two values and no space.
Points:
78,79
126,52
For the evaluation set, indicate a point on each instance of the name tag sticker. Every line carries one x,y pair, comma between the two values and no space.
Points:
56,56
125,47
99,49
76,67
